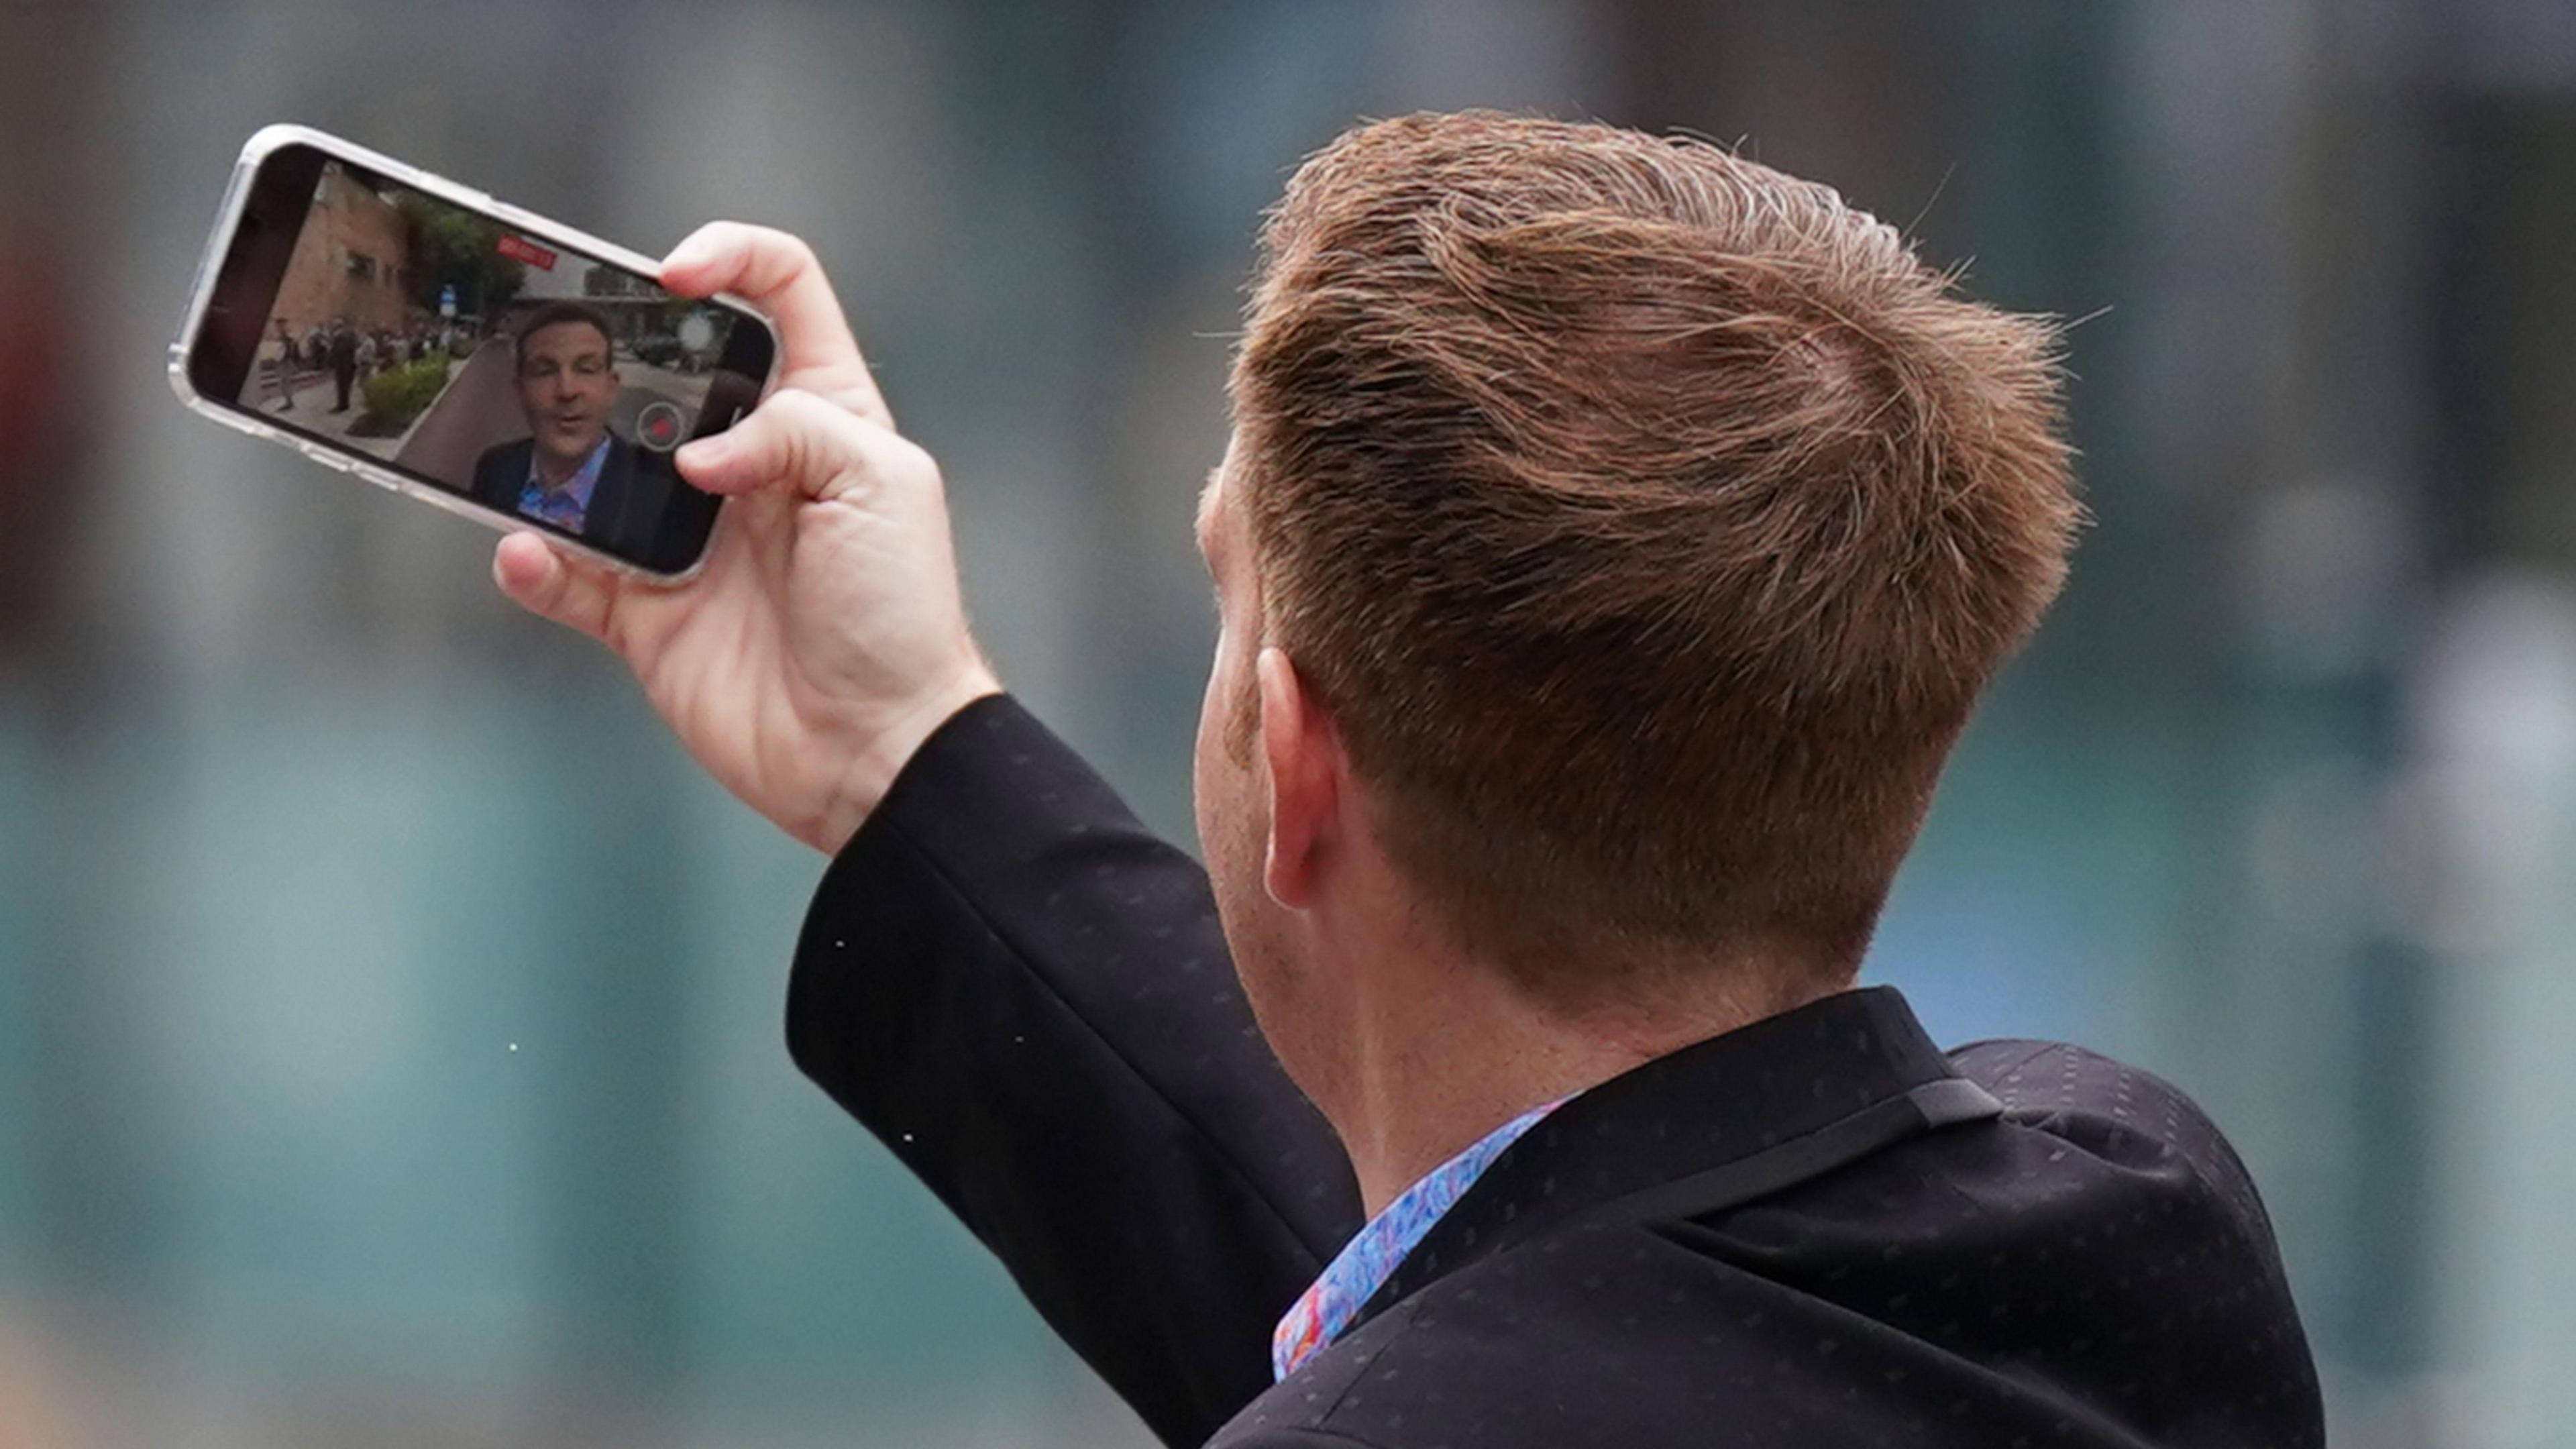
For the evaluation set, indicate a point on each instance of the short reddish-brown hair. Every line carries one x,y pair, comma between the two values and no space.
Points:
1647,520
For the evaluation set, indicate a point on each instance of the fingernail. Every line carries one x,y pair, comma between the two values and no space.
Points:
704,452
502,568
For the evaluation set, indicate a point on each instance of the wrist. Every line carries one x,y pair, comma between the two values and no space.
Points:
870,770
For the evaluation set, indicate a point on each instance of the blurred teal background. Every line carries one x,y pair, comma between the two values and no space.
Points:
389,1016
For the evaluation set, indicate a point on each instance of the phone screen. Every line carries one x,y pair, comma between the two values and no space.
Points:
453,348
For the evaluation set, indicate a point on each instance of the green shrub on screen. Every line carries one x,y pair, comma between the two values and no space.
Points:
397,396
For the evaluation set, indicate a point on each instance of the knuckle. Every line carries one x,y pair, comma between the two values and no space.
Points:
792,251
778,257
795,407
803,434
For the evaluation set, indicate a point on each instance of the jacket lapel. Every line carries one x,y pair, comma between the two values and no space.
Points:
603,523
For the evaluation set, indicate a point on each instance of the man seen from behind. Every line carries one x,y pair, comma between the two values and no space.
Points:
1614,540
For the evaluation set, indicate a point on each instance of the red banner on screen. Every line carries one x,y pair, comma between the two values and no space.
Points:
519,248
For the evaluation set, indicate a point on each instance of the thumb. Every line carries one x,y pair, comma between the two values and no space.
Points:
541,579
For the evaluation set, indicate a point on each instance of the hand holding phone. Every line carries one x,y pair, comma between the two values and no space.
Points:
824,638
390,323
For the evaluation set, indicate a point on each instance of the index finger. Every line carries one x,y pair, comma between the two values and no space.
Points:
777,273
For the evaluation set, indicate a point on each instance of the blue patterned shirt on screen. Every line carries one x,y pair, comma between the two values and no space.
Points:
567,505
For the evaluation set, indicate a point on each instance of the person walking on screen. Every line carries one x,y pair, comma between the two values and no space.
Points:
571,472
285,370
344,363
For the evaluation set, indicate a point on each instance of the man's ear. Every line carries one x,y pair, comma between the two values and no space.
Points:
1304,754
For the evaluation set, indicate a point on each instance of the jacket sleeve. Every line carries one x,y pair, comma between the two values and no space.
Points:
1025,995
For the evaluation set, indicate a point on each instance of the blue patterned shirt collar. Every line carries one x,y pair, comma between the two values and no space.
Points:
567,506
1324,1311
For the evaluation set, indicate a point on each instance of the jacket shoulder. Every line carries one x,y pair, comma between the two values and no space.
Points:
2113,1109
496,465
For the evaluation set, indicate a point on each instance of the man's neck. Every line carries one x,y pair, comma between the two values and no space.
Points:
555,472
1441,1050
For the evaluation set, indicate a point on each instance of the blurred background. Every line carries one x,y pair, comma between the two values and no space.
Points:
389,1017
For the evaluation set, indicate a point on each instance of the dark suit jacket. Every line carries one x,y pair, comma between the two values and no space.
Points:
625,507
1819,1230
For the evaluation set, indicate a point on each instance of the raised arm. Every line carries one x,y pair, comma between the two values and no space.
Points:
1025,995
1004,976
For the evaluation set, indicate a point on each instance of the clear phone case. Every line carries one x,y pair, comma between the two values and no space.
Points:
209,264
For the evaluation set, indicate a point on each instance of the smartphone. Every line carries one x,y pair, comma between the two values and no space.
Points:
432,340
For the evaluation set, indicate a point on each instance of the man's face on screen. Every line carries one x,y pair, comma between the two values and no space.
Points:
566,383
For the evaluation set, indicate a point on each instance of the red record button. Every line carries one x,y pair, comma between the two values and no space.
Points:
658,427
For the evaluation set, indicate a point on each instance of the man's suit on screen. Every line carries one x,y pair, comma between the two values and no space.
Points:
1818,1230
626,504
